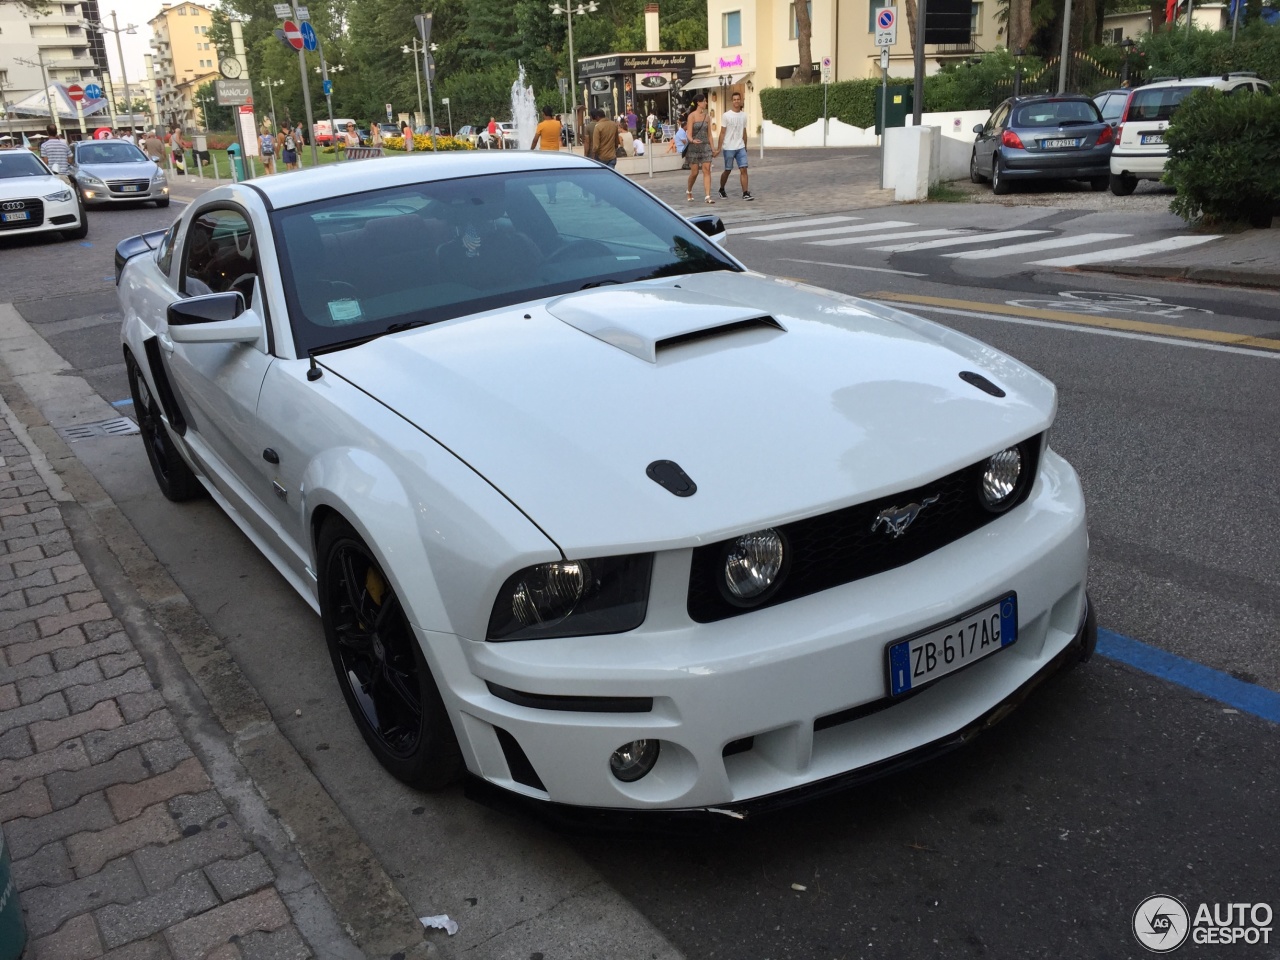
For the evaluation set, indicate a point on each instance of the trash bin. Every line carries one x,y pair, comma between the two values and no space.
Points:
13,931
899,101
237,162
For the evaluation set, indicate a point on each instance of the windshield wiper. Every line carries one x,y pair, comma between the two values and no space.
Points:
681,267
597,283
406,325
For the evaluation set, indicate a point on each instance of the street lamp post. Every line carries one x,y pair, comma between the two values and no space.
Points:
204,112
131,30
414,48
1127,46
569,10
44,75
267,85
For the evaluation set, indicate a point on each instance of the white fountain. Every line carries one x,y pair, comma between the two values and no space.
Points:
524,112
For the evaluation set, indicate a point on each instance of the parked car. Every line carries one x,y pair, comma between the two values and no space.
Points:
35,200
115,171
1140,151
1042,137
1111,103
389,129
381,380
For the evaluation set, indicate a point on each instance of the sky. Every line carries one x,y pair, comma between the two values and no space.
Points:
137,12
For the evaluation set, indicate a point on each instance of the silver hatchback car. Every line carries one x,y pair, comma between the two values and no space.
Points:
115,171
1043,137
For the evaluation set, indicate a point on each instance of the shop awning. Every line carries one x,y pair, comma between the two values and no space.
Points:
713,81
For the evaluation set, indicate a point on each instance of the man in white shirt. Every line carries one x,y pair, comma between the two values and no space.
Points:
733,145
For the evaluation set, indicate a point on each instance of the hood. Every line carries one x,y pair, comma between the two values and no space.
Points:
14,188
777,400
133,170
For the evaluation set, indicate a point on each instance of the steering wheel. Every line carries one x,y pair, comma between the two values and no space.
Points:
579,248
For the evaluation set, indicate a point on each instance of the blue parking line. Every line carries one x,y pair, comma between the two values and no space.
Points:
122,403
86,243
1222,687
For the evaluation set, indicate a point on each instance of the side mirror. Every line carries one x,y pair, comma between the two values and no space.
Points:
711,225
215,318
978,128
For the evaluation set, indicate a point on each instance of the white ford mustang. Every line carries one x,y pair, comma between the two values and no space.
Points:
588,509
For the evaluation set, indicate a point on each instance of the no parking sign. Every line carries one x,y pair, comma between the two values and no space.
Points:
886,26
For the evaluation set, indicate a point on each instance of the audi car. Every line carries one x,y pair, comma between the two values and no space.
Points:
35,200
116,171
587,509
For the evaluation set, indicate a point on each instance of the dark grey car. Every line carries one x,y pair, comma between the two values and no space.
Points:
1043,137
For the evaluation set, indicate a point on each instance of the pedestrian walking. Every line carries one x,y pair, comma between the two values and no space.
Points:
604,139
407,133
547,134
154,147
493,134
733,145
375,134
178,149
289,150
699,152
588,128
267,147
55,151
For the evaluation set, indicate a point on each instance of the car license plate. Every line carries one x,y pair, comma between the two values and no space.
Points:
130,188
944,649
1059,143
1153,138
16,217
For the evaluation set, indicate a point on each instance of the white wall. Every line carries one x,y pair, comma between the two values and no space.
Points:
958,126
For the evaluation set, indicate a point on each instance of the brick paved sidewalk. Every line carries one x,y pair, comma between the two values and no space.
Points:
121,847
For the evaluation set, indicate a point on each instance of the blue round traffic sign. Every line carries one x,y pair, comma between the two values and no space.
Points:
308,35
885,19
93,91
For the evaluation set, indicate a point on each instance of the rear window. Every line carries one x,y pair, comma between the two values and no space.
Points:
1053,113
1157,104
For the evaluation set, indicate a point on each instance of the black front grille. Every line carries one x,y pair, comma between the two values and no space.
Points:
135,186
840,547
34,208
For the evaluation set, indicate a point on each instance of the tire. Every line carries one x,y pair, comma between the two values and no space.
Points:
1121,185
1098,184
974,175
999,185
162,203
80,232
380,667
175,479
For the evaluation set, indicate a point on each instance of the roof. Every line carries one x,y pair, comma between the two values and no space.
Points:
357,176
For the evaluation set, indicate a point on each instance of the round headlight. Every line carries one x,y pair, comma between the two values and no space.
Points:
1000,478
633,760
549,592
752,564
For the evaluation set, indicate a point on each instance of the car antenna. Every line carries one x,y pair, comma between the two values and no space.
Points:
315,373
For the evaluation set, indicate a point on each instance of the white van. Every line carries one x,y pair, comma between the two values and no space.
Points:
322,133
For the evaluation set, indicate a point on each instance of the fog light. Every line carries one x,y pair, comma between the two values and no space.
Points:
752,565
1000,478
633,760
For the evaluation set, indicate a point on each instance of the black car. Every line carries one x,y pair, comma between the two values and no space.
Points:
1043,137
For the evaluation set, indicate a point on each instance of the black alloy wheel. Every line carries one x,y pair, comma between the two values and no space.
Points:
380,667
175,479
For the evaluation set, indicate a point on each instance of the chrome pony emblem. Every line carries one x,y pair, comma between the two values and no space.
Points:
897,519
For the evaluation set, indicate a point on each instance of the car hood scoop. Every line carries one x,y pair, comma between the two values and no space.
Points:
564,406
643,321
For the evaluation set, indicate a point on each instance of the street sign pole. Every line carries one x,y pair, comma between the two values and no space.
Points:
237,45
917,92
423,22
328,97
884,104
306,99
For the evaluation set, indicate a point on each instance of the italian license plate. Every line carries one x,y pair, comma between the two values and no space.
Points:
16,217
1153,138
130,188
946,648
1060,143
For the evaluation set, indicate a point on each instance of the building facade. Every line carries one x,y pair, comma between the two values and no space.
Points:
71,51
184,58
754,44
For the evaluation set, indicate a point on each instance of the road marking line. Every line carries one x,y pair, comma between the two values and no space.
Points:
1159,330
1222,687
832,231
850,266
816,222
877,237
1077,241
975,238
1126,253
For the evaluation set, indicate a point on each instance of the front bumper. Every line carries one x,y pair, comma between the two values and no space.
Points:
782,700
99,196
48,216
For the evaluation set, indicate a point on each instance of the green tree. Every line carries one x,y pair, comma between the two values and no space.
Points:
215,117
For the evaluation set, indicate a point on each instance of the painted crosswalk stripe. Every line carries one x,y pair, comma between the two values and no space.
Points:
960,241
879,237
1079,240
764,227
834,231
1124,253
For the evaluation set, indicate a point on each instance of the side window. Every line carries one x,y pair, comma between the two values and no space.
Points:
999,117
164,253
220,255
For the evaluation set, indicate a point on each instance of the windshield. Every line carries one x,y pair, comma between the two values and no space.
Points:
363,264
108,151
1056,113
20,163
1157,104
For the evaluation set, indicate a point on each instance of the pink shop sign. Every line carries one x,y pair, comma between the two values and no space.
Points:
730,64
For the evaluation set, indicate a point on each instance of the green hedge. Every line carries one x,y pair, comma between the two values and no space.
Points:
1223,156
850,101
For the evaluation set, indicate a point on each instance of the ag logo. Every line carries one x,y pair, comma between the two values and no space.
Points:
1161,923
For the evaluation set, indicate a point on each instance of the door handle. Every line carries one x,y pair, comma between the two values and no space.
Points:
165,343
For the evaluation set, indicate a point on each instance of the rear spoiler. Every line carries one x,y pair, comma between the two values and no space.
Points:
130,247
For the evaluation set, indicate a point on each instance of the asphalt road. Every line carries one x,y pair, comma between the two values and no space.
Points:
1042,837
